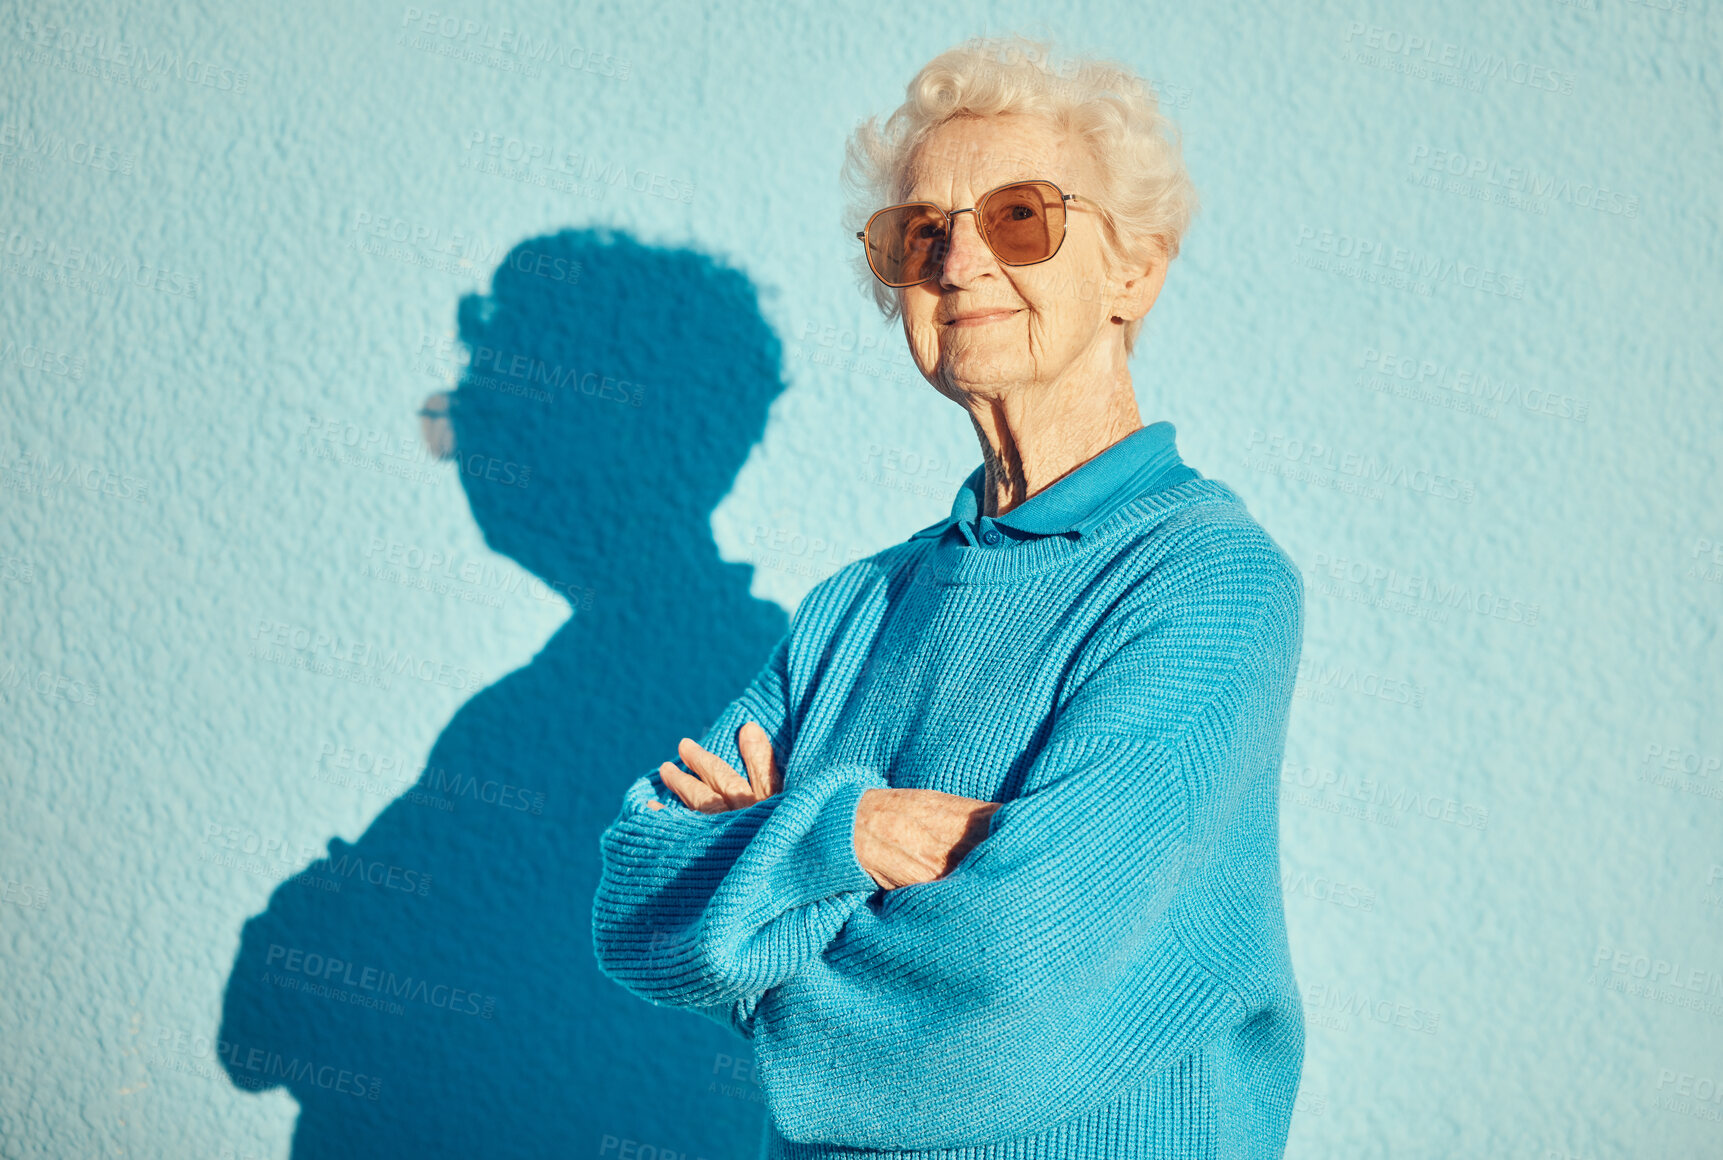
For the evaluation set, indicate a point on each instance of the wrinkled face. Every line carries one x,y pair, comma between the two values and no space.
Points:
978,325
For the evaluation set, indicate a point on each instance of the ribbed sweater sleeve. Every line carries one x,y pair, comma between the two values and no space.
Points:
1092,937
708,911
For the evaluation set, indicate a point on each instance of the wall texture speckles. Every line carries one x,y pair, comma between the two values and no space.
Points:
319,673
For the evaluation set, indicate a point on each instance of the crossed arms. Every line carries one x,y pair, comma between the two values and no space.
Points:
1057,945
903,837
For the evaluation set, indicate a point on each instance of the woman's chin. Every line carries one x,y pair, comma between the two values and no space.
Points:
974,370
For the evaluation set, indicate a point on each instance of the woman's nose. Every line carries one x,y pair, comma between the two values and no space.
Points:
966,255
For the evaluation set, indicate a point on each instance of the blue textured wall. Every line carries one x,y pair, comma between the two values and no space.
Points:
1448,321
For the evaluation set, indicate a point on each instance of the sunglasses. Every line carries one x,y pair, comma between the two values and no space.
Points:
1022,223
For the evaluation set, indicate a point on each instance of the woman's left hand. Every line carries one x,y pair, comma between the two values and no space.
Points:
719,787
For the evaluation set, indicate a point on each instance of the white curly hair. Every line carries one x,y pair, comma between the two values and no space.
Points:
1145,197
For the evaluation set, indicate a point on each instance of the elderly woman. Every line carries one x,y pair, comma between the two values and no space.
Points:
1002,875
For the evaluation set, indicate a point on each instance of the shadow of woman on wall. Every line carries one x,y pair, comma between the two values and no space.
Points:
431,990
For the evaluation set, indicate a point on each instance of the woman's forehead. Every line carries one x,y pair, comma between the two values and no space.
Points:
980,153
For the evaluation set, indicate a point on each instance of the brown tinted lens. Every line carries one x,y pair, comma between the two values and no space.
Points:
906,244
1023,223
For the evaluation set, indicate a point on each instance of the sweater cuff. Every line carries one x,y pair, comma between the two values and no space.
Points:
823,854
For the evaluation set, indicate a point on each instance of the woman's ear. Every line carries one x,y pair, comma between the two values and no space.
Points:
1142,285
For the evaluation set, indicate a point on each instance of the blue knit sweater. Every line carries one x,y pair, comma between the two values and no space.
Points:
1106,974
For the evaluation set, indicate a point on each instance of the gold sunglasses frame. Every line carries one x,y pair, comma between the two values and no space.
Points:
950,215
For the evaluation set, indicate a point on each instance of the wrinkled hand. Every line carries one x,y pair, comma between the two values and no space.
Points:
908,836
719,787
903,837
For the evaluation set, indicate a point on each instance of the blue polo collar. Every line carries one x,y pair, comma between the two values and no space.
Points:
1144,461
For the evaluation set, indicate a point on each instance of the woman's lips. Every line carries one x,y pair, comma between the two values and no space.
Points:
981,319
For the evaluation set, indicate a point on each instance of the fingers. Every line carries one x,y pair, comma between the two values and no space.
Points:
695,794
717,786
756,747
733,793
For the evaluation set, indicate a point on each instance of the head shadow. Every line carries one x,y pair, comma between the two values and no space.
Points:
431,989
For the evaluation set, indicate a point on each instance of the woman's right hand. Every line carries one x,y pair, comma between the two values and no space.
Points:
719,788
903,837
907,836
